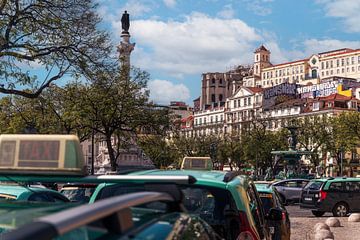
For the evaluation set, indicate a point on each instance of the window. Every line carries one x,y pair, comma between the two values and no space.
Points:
342,62
204,120
234,103
244,101
213,98
220,96
213,80
239,103
322,65
352,60
249,101
336,186
220,81
352,186
337,62
316,106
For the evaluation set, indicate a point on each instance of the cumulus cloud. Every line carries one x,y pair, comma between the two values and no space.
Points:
197,44
227,12
347,10
259,7
315,45
163,91
170,3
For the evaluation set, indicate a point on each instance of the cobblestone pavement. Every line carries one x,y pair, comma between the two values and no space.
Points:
302,223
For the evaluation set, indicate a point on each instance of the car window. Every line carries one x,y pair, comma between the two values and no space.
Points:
293,184
58,198
39,197
267,202
302,184
314,185
352,186
255,208
336,186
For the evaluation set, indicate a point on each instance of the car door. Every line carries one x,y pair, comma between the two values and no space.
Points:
291,190
352,195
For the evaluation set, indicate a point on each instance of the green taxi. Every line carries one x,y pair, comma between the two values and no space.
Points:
118,218
340,196
270,198
226,200
35,194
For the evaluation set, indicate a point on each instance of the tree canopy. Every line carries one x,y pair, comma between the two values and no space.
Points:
41,41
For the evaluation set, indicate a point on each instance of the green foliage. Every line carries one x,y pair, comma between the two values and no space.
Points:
160,151
58,36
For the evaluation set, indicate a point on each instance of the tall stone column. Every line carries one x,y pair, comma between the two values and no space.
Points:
125,47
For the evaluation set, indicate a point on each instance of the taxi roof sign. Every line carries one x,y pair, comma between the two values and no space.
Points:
41,154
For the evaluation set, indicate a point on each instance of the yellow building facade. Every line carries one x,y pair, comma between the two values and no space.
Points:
342,62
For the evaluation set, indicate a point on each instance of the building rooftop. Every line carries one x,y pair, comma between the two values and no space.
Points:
261,48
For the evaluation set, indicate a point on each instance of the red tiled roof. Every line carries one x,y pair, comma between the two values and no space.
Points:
335,96
255,89
261,48
280,64
346,51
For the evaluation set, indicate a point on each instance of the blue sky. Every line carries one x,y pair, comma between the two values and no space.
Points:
178,40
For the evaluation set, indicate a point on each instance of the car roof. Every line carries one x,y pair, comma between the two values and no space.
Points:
342,179
209,178
261,188
18,190
291,179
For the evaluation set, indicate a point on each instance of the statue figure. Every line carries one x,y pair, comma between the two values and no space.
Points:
125,22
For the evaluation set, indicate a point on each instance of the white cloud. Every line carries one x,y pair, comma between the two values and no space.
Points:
227,12
315,45
259,7
347,10
163,91
170,3
198,44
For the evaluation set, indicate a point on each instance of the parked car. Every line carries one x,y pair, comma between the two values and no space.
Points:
228,202
34,194
115,218
270,198
337,195
290,189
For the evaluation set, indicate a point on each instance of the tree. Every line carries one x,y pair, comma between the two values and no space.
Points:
60,36
231,151
345,134
258,142
314,134
161,152
116,106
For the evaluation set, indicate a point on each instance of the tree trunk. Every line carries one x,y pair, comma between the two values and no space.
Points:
111,153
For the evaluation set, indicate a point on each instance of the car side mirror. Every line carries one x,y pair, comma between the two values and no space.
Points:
274,214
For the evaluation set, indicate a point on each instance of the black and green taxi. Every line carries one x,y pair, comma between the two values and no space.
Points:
227,201
119,218
270,198
340,196
58,159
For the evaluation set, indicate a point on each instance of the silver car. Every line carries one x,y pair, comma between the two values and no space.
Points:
290,189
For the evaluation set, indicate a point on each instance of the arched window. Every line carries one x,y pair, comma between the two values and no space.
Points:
314,73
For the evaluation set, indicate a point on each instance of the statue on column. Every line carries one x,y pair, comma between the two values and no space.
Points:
125,22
